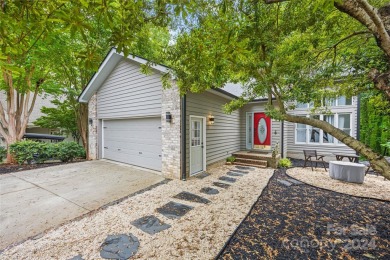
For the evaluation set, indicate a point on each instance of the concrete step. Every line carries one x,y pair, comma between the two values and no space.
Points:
251,165
255,156
251,161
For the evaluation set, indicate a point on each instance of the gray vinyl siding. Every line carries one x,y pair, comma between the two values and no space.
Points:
223,137
127,92
295,150
275,125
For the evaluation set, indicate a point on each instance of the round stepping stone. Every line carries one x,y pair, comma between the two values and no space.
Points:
228,179
234,174
174,210
209,191
119,246
191,197
239,171
221,185
150,224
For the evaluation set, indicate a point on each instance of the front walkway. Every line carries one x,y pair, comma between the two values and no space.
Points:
293,220
184,220
35,200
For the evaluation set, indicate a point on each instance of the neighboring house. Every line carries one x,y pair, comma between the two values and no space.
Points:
134,120
42,100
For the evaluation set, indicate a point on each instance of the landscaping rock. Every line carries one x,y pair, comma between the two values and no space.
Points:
150,224
202,175
228,179
209,191
119,246
234,174
221,185
77,257
284,182
174,210
191,197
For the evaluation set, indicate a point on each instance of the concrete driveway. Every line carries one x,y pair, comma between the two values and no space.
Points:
33,201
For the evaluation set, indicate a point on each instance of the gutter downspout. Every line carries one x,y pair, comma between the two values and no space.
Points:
183,137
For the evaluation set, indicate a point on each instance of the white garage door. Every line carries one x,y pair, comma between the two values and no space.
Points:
133,141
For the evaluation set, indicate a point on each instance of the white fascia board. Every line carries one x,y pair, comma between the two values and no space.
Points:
100,76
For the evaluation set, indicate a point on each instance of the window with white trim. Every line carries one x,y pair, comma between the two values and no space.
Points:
313,135
330,102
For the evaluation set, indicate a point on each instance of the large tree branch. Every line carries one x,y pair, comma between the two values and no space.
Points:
367,15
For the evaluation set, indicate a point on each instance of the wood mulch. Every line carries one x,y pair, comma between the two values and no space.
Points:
9,168
306,222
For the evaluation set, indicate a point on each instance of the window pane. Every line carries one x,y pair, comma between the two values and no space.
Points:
330,102
249,122
327,138
301,105
314,133
301,126
301,135
343,101
344,121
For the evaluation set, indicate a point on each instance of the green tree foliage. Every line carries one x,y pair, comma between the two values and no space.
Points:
374,121
292,50
62,117
39,37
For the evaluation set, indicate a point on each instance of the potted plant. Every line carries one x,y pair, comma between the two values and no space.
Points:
230,160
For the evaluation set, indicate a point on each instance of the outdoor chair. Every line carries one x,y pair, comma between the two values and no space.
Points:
368,165
313,157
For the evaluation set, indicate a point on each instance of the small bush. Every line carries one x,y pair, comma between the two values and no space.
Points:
284,163
29,151
231,159
46,151
24,151
68,151
3,153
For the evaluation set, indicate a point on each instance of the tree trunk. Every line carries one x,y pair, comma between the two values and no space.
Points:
82,123
378,162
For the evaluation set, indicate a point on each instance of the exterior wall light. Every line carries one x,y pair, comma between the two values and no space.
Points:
211,120
168,117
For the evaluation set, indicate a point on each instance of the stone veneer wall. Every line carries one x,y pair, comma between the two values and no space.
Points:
171,133
93,129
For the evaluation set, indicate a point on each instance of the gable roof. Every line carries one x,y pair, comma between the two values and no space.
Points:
107,66
230,90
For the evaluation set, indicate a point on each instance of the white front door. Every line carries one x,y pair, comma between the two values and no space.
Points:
196,145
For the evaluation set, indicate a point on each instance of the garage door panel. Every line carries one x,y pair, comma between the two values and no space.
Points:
133,141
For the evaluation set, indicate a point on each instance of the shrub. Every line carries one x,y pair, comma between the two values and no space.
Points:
68,151
24,151
46,151
284,163
3,153
231,159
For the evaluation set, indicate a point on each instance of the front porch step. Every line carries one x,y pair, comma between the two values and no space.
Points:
255,156
251,165
251,161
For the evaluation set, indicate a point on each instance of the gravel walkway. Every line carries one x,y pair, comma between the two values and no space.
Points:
297,221
177,220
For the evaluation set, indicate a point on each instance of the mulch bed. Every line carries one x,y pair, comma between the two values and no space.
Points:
8,168
305,222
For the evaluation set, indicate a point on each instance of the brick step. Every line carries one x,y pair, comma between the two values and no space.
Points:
251,165
251,156
251,161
